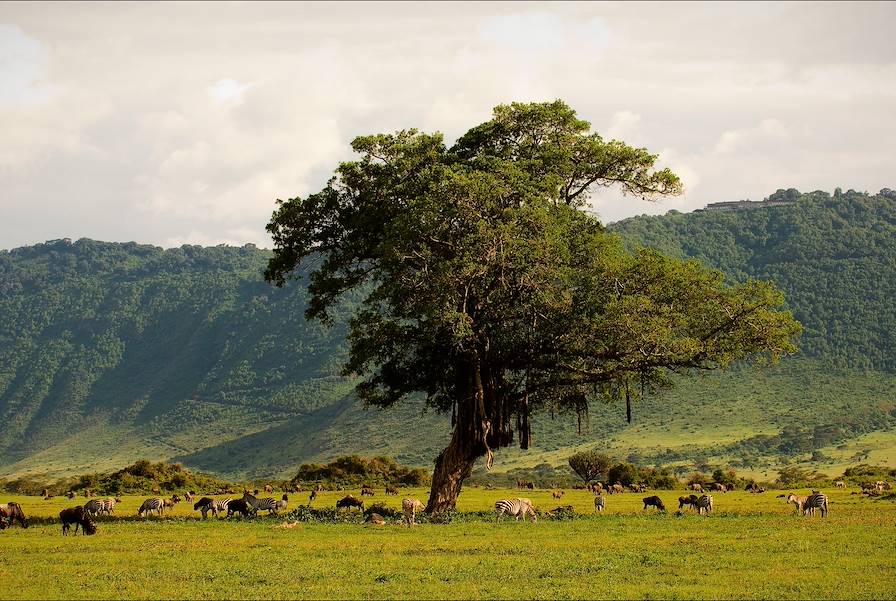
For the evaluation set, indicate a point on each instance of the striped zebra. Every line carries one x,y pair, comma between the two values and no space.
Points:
599,503
95,507
704,503
815,501
150,505
267,504
516,508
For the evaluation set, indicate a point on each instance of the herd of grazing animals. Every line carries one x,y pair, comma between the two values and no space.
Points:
250,504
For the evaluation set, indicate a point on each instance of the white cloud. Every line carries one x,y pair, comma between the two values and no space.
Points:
229,90
168,122
622,125
767,129
21,68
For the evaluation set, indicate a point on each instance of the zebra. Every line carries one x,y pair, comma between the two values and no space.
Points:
704,503
599,503
409,507
815,501
94,507
267,504
516,508
205,504
150,505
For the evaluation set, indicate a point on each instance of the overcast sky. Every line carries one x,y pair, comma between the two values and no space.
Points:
170,123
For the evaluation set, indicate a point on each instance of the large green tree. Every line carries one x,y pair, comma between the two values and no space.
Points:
489,288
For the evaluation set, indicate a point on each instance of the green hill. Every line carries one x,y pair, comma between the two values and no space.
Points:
111,353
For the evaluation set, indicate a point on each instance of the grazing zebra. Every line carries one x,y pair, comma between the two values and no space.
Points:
599,503
150,505
94,507
188,496
815,501
697,487
267,504
704,503
516,508
409,507
205,504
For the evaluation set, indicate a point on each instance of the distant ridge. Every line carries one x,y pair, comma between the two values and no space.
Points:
114,352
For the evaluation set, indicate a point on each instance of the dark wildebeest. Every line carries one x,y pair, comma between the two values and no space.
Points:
79,517
391,490
239,506
688,500
654,501
367,491
12,513
349,502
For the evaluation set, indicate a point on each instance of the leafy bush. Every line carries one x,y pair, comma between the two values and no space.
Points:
353,470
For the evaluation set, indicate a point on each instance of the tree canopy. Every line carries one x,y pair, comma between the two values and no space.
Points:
491,290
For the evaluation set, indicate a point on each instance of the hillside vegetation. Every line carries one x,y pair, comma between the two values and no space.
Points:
114,352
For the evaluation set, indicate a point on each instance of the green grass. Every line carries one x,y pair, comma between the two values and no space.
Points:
753,546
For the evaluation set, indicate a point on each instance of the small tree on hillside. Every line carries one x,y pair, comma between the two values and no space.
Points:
589,465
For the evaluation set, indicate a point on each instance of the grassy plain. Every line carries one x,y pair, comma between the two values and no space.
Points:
753,546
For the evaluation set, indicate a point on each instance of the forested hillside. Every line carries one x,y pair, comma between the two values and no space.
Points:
834,257
111,353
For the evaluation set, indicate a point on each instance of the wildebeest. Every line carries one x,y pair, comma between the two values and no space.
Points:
12,513
79,517
349,502
312,497
391,490
557,494
654,501
718,487
268,488
688,500
239,506
367,491
840,484
697,487
599,502
70,494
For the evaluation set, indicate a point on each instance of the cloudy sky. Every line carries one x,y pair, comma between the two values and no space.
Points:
170,123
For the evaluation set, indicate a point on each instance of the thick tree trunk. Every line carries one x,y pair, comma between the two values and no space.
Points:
469,441
453,466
